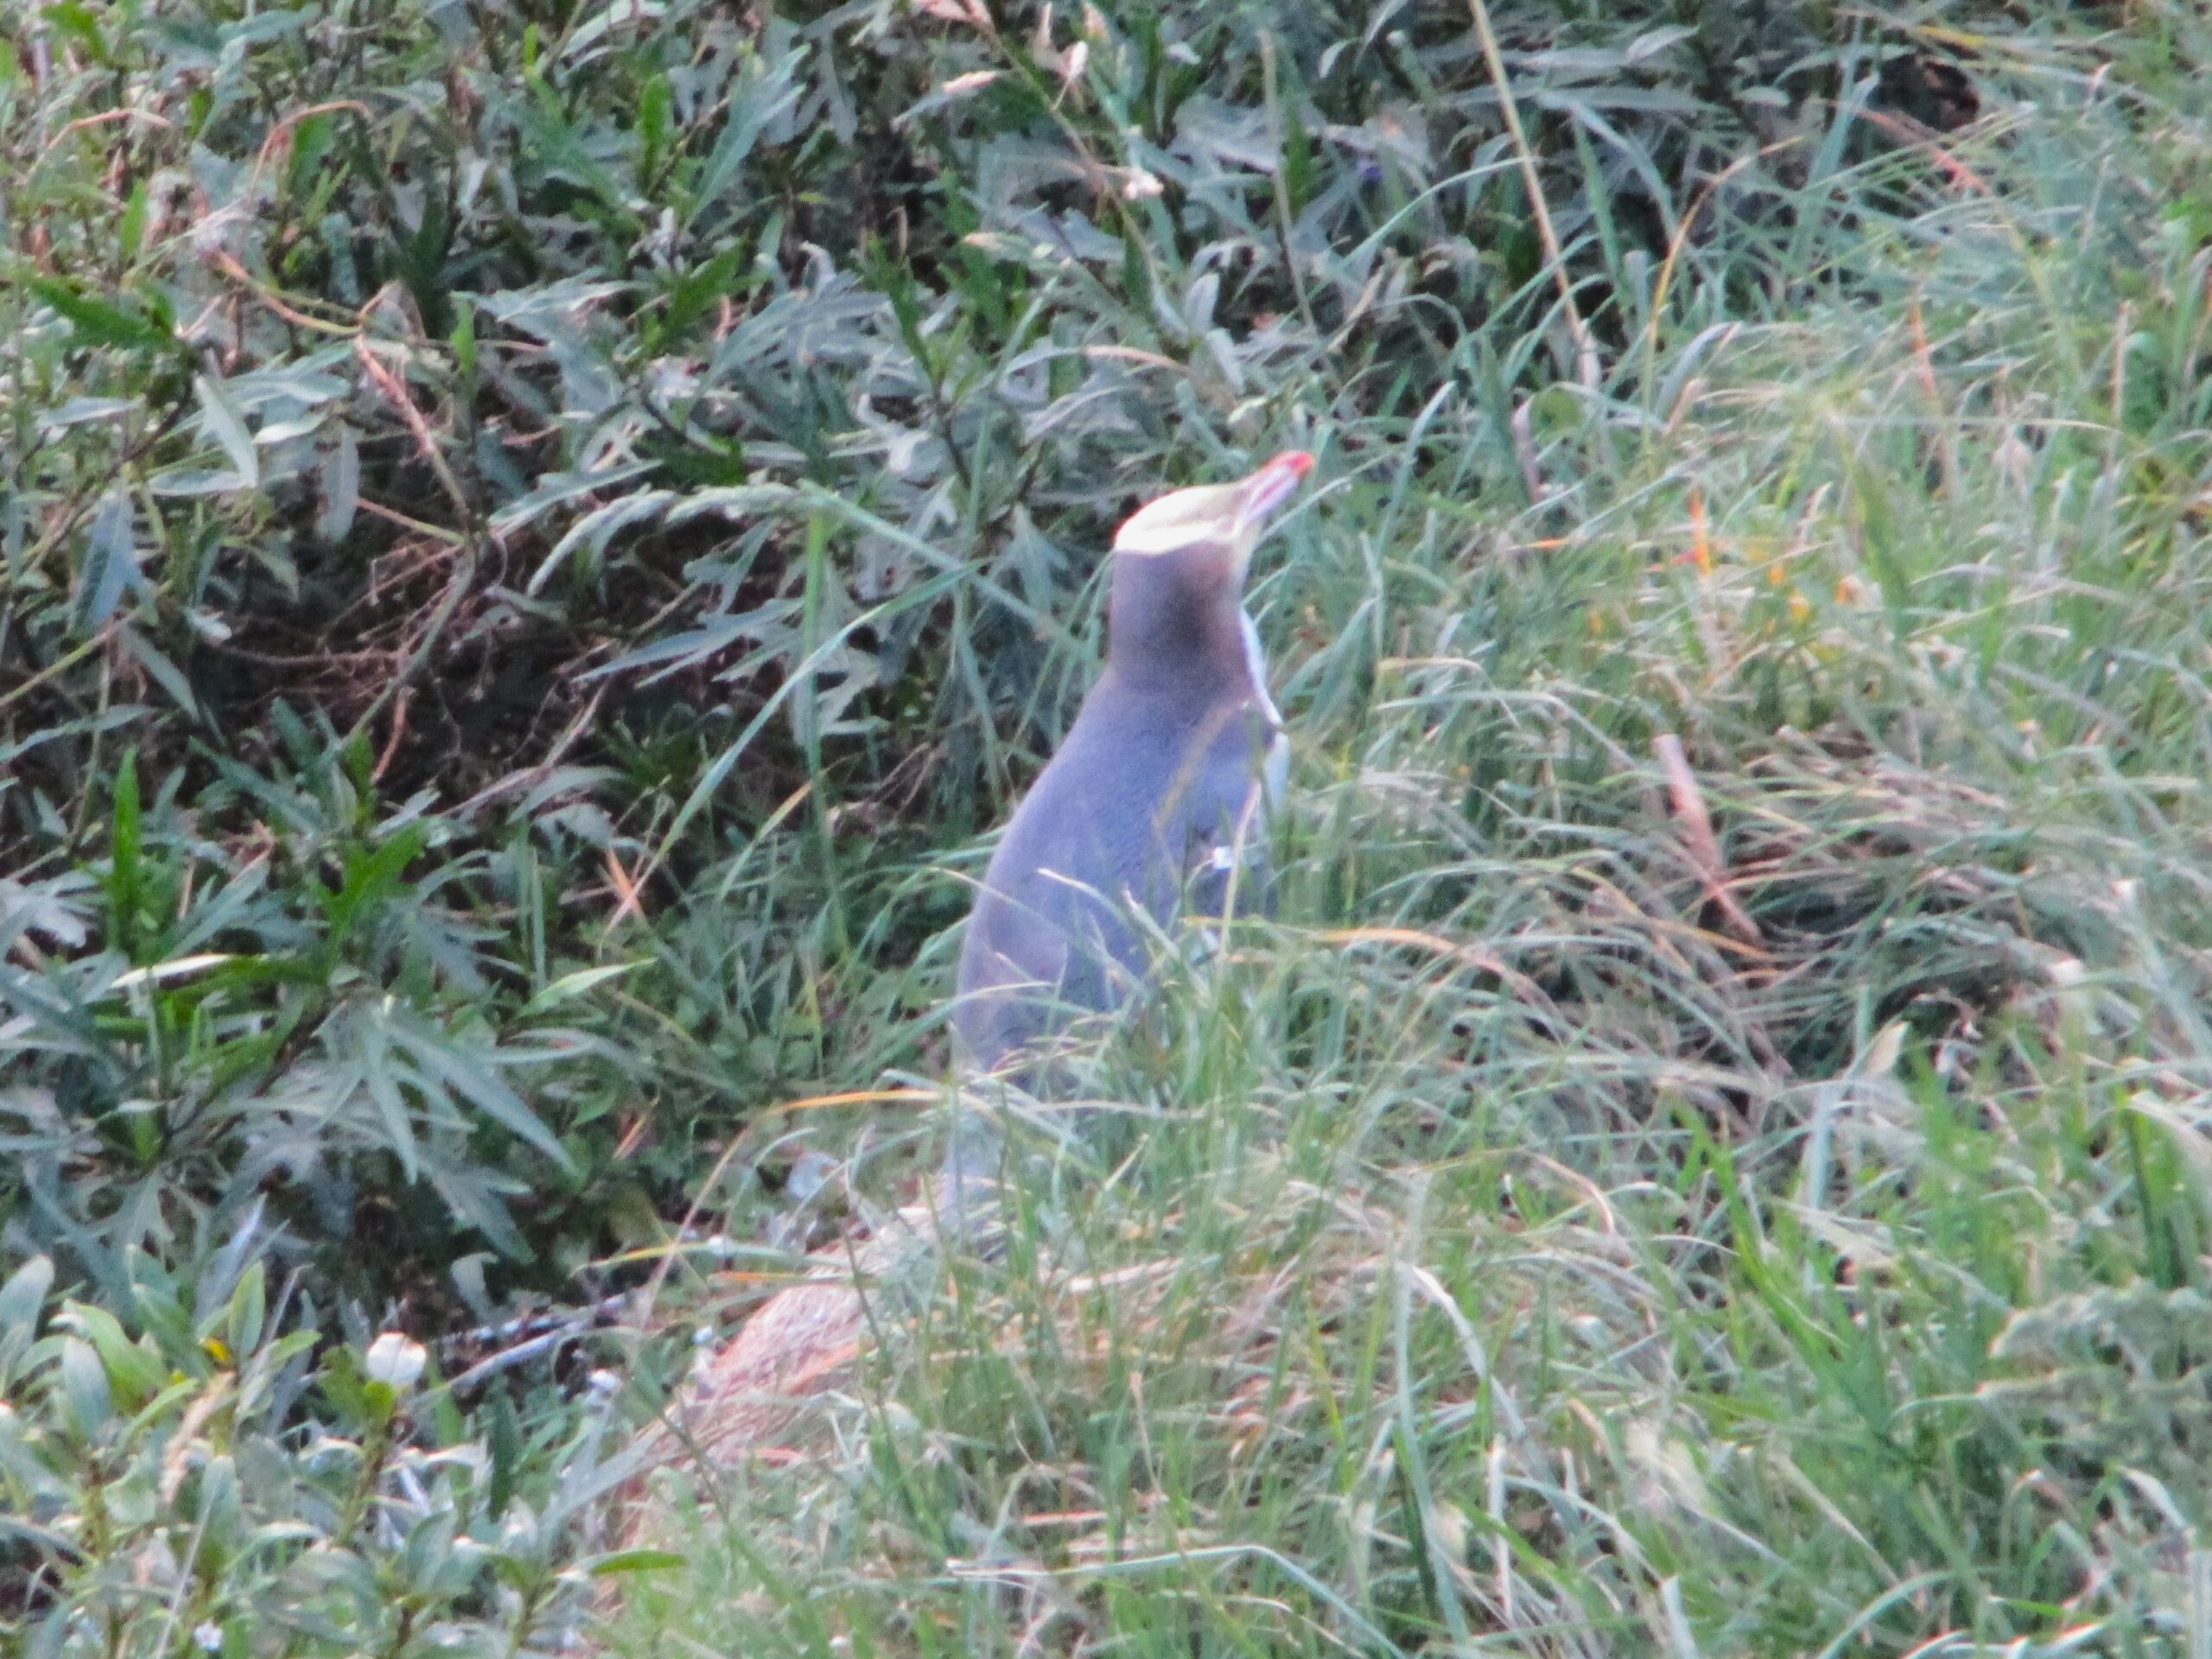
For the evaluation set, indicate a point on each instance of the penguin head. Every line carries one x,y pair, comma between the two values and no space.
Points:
1177,618
1214,521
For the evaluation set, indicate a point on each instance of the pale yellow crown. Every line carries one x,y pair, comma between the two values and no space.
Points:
1181,518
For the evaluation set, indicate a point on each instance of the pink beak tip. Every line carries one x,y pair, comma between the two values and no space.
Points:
1264,492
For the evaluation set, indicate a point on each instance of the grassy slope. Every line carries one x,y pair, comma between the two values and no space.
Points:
1513,1247
1835,1289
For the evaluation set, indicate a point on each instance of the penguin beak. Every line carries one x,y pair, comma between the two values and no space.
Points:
1259,496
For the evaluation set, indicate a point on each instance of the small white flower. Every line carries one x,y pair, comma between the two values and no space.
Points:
207,1636
395,1360
1137,185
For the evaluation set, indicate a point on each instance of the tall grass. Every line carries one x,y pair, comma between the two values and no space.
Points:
540,539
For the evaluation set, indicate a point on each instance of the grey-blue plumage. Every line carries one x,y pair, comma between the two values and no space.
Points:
1153,807
1148,795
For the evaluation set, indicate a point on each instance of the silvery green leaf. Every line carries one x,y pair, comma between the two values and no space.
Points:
221,420
1653,41
473,1193
760,97
541,311
1198,301
298,426
302,385
467,1075
195,480
697,645
625,16
41,909
341,488
79,410
1648,100
110,561
21,1301
156,662
596,529
558,487
1227,135
590,384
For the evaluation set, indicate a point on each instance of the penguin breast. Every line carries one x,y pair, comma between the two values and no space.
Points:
1150,806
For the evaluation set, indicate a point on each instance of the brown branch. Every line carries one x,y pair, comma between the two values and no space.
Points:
396,393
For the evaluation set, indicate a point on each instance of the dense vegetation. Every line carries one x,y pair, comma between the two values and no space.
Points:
540,536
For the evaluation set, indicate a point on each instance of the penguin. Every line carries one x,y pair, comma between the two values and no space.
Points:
1153,809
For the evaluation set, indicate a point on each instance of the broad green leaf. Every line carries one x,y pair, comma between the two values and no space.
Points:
655,106
80,22
96,322
131,231
314,137
249,1311
124,840
132,1372
504,1443
570,986
85,1390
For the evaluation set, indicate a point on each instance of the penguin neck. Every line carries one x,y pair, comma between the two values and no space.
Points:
1175,621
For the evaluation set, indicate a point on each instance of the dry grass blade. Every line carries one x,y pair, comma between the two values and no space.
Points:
1701,845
